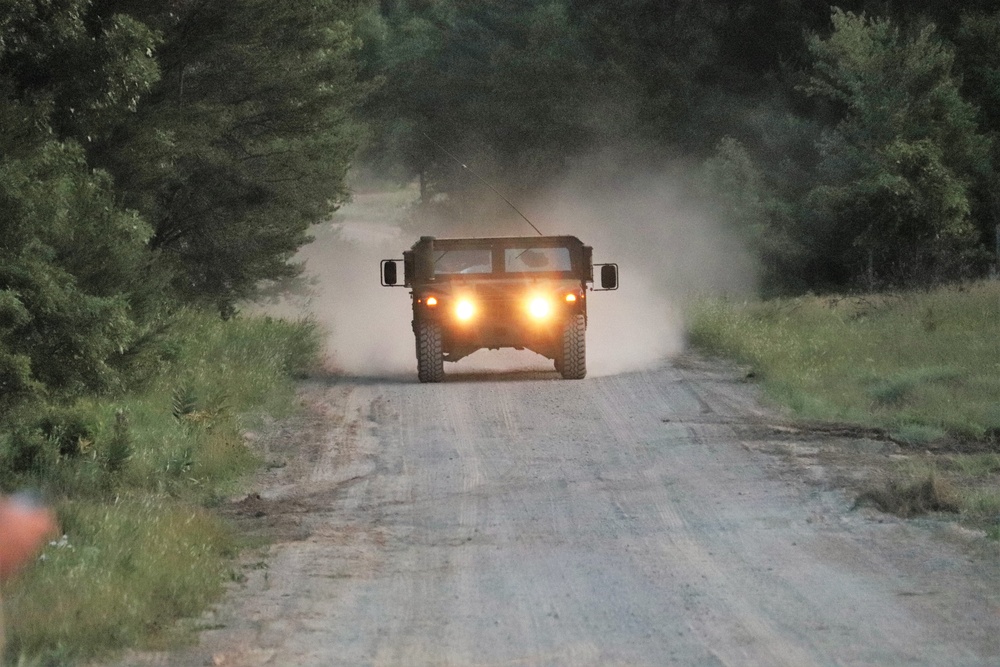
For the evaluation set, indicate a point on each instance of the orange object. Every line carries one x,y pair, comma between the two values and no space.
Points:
25,526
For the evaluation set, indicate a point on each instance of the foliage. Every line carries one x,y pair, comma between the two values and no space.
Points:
978,60
929,483
896,169
73,302
69,261
151,155
154,154
130,477
909,498
921,365
243,142
498,84
120,573
873,164
74,67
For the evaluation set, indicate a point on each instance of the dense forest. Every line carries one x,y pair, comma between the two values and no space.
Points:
173,153
155,155
851,147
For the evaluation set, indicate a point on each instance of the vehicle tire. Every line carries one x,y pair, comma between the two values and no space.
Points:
430,357
574,348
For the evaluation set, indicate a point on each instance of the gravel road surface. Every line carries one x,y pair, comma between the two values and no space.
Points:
512,518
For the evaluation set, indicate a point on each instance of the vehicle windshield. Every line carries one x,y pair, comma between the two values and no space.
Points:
474,260
479,261
523,260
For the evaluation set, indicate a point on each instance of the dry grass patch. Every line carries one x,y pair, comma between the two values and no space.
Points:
912,497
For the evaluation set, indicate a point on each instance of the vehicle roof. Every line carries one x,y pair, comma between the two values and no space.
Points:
492,241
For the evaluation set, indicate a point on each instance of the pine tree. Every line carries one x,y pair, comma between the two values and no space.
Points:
244,142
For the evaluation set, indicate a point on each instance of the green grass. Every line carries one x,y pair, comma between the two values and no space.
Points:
131,477
975,465
981,509
924,365
122,576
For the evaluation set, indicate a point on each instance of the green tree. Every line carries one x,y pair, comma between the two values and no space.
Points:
72,262
978,60
68,264
244,142
500,84
893,200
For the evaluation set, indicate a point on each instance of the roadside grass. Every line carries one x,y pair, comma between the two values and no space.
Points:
924,366
123,575
133,479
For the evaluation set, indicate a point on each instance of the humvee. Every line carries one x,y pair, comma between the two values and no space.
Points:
489,293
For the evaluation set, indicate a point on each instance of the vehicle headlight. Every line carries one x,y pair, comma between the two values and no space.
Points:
539,307
464,310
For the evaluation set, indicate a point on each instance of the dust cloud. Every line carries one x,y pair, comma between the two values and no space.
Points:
367,326
667,251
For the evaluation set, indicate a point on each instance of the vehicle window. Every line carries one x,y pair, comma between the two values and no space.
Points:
475,260
521,260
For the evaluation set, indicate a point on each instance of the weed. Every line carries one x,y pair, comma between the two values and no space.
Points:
119,448
183,401
924,366
981,509
122,570
984,504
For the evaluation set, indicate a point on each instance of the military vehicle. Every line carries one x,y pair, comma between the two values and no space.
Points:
489,293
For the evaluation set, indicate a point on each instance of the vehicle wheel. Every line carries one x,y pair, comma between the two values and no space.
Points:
430,357
574,349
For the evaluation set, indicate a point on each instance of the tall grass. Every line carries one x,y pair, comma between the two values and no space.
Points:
130,477
926,365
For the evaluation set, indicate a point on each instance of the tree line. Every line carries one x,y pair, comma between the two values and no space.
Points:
165,153
851,146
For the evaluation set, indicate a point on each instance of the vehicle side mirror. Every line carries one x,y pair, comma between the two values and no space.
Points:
609,276
390,273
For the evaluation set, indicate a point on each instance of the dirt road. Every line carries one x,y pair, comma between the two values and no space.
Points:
635,519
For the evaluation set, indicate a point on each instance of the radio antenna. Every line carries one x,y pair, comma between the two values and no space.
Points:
484,182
